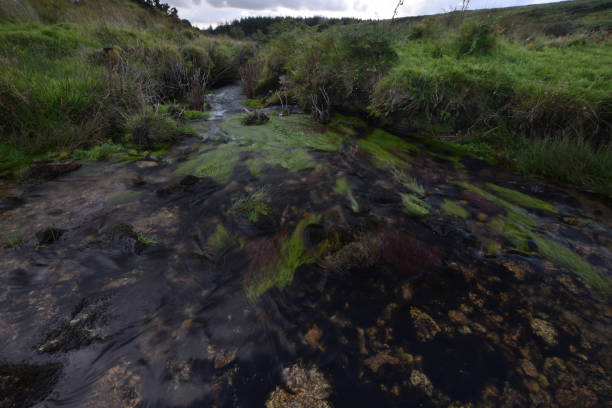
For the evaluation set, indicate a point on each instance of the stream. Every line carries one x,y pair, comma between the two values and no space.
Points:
293,264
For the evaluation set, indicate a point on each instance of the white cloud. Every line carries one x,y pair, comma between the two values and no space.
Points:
207,12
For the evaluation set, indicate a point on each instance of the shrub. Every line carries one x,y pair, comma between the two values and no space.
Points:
476,39
149,128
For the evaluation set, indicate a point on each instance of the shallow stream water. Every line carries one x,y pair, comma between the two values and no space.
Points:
300,265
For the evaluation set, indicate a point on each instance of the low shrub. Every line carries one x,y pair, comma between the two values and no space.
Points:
476,39
148,129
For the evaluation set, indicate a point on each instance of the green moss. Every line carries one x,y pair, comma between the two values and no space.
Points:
252,103
516,212
415,205
452,208
220,238
280,271
195,115
342,187
124,197
98,153
217,163
251,207
146,239
521,199
291,159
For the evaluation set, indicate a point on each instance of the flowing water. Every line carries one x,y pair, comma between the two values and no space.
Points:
300,265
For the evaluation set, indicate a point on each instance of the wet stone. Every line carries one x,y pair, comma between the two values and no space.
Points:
48,170
10,203
425,326
545,331
419,380
49,236
305,388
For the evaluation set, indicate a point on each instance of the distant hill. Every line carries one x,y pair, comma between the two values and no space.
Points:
125,14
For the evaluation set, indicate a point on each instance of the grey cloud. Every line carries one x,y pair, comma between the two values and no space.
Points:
327,5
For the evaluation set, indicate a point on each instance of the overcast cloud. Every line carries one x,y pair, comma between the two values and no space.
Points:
211,12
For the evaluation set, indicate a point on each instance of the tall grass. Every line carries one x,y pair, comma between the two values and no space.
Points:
570,160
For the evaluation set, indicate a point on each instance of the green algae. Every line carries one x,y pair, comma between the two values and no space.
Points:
217,164
452,208
251,207
343,188
522,199
407,181
555,252
124,197
292,160
387,150
220,238
415,205
516,212
280,271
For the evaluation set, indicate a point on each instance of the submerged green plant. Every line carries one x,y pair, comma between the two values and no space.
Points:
452,208
516,212
342,187
409,182
522,199
217,163
146,239
251,207
220,238
415,205
279,272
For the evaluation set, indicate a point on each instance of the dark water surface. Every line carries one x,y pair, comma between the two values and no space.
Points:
295,265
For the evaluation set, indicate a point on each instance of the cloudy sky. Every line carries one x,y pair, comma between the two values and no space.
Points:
210,12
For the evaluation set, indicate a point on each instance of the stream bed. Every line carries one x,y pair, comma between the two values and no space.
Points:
293,264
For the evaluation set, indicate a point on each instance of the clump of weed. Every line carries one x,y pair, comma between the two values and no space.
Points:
252,206
476,39
255,118
149,128
100,152
220,238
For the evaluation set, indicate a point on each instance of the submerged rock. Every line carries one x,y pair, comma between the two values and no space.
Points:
49,236
48,169
25,385
10,203
425,326
306,388
419,380
380,359
545,331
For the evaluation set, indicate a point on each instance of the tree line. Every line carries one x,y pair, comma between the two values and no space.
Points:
262,26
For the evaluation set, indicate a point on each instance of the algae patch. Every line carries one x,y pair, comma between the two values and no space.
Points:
522,199
415,205
343,188
217,164
452,208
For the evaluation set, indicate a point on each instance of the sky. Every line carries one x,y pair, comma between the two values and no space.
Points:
204,13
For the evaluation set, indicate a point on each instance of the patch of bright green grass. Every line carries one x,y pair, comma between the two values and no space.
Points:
252,103
415,205
98,153
452,208
342,187
522,199
195,115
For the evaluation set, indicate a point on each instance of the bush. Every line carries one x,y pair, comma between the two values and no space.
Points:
476,39
148,129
